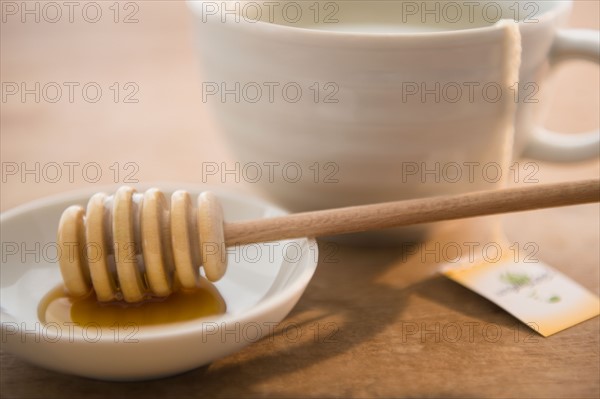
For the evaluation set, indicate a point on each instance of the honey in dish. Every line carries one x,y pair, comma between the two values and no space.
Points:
182,305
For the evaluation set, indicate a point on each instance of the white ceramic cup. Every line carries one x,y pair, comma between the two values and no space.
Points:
384,88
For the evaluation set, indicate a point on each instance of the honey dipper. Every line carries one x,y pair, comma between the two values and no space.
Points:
131,246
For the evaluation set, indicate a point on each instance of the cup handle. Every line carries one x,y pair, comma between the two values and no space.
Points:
547,145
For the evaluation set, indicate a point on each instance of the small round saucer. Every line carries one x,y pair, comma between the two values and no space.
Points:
262,284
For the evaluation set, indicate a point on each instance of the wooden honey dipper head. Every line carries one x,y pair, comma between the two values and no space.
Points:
132,246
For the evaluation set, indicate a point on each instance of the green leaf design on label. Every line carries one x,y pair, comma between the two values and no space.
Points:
515,279
554,299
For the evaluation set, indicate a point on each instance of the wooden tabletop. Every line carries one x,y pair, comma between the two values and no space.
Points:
373,322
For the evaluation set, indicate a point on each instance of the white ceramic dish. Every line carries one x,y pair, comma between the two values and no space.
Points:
260,287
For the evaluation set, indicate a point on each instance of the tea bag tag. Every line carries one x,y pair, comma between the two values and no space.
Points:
541,297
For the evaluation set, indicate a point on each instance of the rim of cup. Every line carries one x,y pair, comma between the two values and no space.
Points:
557,7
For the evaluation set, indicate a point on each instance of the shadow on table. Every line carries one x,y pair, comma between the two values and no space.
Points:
463,301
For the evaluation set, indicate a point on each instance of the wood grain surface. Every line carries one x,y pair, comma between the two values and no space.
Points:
373,321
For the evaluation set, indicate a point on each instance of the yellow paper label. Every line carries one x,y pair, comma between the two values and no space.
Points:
543,298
